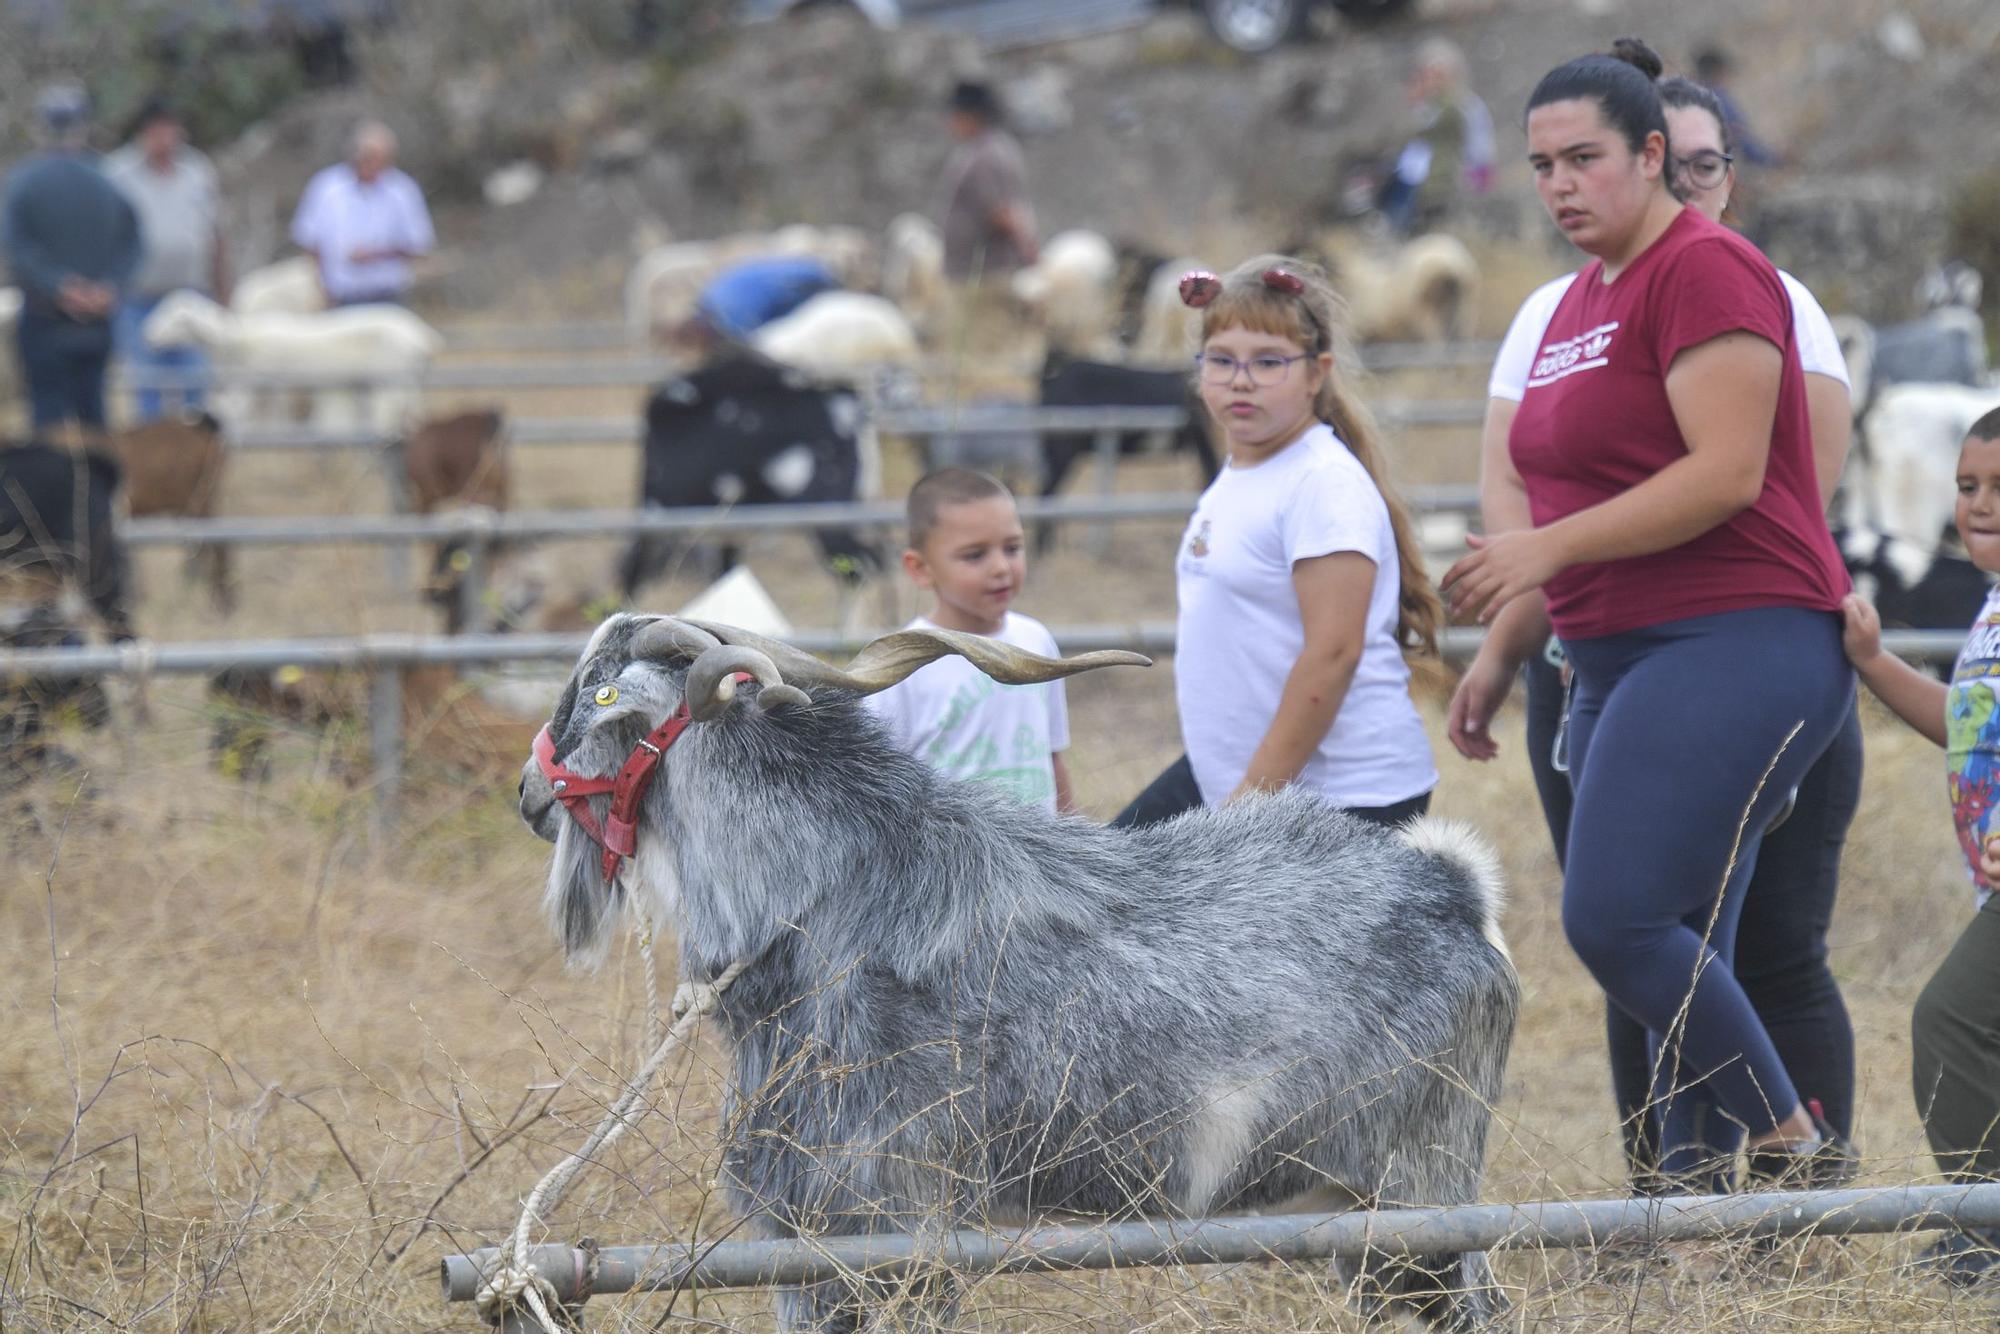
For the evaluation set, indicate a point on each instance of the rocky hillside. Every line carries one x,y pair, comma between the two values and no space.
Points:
1156,135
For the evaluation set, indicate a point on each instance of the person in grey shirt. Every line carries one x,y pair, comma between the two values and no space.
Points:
173,187
72,243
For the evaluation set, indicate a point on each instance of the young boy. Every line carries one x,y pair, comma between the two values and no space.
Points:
967,548
1955,1029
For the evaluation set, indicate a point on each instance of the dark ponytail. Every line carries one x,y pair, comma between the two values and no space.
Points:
1623,83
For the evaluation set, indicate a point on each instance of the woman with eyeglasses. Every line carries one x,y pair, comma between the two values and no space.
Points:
1655,497
1788,905
1299,577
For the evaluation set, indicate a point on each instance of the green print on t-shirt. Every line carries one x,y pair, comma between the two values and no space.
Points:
1025,774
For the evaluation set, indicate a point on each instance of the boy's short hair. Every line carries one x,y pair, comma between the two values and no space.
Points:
1986,428
947,486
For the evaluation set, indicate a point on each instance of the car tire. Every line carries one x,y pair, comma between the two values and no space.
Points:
1370,11
1254,26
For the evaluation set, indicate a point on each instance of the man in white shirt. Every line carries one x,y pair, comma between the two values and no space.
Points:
363,221
172,186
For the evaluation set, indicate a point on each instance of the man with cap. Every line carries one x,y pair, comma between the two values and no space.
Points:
363,221
72,242
173,187
988,224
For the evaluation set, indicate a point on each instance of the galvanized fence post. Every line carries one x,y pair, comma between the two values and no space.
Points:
396,478
1106,449
385,741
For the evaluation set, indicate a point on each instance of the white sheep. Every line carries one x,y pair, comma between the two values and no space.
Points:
385,345
1422,289
1072,292
913,268
1901,480
667,281
288,287
1168,329
848,252
840,335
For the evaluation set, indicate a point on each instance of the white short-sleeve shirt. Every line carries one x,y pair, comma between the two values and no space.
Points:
1819,348
965,724
338,215
1240,631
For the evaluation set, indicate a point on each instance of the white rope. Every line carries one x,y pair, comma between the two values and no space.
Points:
514,1279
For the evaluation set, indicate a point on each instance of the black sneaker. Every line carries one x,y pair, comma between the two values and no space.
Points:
1828,1165
1964,1258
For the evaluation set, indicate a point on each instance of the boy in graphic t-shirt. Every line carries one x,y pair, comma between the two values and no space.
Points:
1955,1029
967,548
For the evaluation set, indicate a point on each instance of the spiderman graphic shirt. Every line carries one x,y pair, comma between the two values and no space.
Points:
1972,737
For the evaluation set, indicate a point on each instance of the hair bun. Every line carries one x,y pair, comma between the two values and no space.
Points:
1637,54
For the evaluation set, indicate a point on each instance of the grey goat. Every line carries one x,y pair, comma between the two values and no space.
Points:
961,1012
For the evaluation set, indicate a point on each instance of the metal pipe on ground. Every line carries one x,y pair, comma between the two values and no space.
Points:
1562,1224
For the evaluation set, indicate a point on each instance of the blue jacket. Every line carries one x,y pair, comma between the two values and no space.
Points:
61,217
744,297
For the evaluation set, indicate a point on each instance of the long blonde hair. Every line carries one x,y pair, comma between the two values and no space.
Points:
1315,318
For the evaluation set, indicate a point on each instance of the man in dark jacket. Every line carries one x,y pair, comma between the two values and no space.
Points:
72,242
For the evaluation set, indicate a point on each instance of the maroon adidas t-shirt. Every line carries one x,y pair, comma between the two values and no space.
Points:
1595,421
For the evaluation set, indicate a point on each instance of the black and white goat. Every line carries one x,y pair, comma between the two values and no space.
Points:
953,1010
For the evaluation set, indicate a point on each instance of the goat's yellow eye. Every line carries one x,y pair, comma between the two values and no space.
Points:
607,695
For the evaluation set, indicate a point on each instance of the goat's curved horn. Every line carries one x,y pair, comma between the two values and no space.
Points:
711,681
892,657
671,637
889,659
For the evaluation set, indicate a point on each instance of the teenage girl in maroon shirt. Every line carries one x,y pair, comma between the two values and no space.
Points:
1679,551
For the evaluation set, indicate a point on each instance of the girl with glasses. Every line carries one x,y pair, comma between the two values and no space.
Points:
1656,495
1300,581
1788,906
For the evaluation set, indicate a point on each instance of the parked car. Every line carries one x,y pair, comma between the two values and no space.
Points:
1250,26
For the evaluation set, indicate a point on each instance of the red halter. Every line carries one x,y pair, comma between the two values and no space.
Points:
619,834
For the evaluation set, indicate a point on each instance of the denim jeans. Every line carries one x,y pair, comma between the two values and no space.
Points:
62,364
149,404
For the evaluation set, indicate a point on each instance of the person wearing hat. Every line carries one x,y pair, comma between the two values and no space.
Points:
72,242
173,186
988,224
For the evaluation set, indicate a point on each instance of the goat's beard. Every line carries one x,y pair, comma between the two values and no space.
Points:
583,906
580,902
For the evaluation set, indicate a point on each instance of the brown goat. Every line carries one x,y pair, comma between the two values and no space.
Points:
449,462
457,460
173,468
450,733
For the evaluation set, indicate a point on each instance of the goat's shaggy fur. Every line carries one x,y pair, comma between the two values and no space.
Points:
958,1011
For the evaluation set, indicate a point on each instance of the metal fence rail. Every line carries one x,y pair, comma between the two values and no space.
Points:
1025,419
700,521
636,369
385,656
1564,1224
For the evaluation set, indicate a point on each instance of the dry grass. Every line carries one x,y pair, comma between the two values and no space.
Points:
259,1073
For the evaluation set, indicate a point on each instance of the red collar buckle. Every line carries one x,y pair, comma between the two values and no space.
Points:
618,834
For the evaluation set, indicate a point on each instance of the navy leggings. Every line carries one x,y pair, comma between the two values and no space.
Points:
1671,730
1787,910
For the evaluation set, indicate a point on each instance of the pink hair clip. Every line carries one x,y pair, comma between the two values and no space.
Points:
1289,283
1199,287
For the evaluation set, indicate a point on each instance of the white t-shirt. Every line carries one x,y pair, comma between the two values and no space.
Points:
964,724
1819,349
339,215
1240,632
